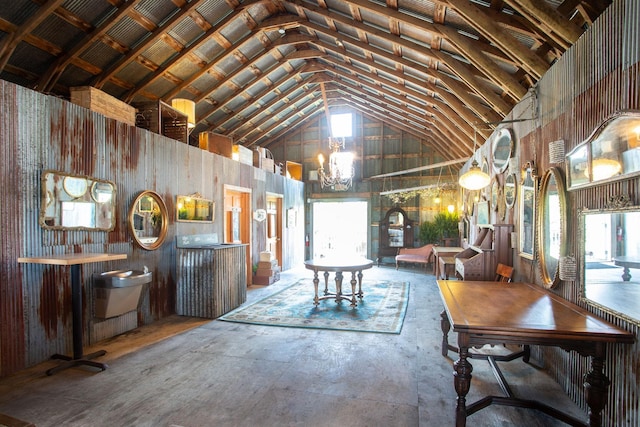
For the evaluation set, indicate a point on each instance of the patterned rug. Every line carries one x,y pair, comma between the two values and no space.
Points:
381,310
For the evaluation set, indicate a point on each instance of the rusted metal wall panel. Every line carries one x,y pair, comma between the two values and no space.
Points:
40,132
596,78
211,282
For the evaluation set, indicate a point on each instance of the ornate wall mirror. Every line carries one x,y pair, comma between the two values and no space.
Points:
77,202
610,153
148,220
527,212
552,226
610,259
194,208
502,149
510,190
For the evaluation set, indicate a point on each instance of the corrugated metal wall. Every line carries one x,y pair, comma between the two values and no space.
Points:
597,77
39,132
211,281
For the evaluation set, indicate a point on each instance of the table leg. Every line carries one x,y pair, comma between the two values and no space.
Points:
445,325
462,379
596,387
76,311
338,285
316,300
353,289
626,274
326,283
360,294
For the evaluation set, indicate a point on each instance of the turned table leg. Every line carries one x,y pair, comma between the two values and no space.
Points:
596,387
446,327
353,289
360,294
316,300
462,379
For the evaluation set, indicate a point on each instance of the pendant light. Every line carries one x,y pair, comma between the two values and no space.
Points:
474,178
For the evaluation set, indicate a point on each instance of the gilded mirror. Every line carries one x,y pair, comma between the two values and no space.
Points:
610,259
552,226
76,202
527,212
610,153
194,208
148,220
502,148
510,190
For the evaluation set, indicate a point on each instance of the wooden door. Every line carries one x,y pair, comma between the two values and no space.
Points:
237,220
274,226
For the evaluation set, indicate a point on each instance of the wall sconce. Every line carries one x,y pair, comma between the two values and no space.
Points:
188,108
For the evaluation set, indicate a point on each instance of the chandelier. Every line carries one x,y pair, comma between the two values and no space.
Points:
340,173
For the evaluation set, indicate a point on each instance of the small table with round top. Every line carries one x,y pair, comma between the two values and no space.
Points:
338,265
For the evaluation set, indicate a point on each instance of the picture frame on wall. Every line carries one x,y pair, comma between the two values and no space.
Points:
483,212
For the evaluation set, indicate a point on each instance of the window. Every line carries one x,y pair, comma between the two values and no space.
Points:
341,125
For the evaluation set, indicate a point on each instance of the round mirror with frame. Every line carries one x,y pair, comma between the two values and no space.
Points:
502,148
510,190
551,226
148,220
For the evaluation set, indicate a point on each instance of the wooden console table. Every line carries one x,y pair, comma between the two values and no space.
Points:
527,315
74,261
354,265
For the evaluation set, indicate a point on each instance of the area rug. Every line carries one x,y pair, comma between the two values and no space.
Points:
381,310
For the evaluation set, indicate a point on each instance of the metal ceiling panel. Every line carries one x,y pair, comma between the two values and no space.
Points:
128,32
90,11
387,51
75,76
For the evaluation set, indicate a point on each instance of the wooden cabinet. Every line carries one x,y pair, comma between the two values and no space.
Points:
396,231
162,118
493,246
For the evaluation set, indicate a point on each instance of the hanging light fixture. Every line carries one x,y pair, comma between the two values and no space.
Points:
186,107
340,173
474,178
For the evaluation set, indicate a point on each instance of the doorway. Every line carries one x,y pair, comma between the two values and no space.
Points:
237,220
274,225
340,228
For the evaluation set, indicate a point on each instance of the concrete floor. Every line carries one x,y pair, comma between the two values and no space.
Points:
199,372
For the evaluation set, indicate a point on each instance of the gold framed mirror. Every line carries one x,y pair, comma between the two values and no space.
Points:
148,220
194,208
610,259
76,202
527,212
510,190
551,226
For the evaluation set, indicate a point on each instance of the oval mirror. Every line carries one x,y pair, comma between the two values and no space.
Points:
510,190
148,220
551,226
502,149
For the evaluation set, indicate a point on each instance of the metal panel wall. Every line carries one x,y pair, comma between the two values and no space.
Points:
597,77
40,132
211,282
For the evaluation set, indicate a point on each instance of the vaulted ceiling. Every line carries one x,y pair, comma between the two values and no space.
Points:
258,69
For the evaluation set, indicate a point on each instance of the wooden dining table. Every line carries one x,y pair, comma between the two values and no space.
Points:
483,312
